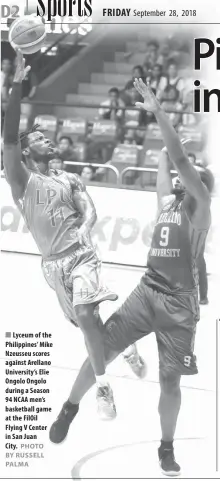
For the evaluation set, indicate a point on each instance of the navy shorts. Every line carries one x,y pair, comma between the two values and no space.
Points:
173,319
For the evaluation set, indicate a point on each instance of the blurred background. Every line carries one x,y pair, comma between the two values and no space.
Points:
80,90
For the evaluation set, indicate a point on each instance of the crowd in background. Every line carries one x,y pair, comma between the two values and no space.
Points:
167,72
166,68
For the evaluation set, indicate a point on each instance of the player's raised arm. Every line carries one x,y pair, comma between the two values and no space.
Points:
85,206
16,173
188,175
164,179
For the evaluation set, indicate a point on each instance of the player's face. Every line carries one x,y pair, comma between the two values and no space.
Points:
40,146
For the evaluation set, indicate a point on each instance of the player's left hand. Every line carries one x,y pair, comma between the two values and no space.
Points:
150,103
21,71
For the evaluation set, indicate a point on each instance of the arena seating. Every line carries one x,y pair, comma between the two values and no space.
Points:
99,141
75,128
49,124
104,130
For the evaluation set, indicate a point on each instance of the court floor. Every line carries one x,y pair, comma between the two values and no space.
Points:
127,447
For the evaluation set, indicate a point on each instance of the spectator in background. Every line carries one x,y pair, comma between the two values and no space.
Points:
157,80
6,83
57,164
151,57
114,104
170,103
137,72
6,78
88,173
174,80
189,117
135,117
65,146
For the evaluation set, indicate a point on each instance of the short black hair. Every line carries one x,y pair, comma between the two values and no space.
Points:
153,42
90,166
139,67
158,65
114,90
171,88
23,136
172,62
66,137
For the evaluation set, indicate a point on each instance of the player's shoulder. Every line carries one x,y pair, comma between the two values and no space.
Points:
166,201
76,182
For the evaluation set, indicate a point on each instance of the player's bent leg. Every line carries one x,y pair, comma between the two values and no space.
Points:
120,331
89,321
84,381
169,406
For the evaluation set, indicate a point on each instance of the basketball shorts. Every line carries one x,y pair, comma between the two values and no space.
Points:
77,280
172,318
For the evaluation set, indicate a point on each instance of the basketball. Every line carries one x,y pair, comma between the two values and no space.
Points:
28,34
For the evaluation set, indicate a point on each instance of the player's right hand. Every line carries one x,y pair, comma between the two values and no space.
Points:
21,71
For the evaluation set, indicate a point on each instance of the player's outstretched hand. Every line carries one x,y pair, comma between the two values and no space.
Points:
150,103
21,71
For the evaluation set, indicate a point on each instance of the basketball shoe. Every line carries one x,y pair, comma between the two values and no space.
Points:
60,427
105,401
167,461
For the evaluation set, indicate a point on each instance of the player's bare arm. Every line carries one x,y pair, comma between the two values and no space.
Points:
85,206
16,173
187,173
164,179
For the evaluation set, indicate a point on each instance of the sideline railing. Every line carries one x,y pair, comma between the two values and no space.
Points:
140,169
91,164
95,106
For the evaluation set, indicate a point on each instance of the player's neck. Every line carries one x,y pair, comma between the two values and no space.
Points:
43,168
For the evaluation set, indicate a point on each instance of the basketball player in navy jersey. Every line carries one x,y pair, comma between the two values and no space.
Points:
60,215
165,301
